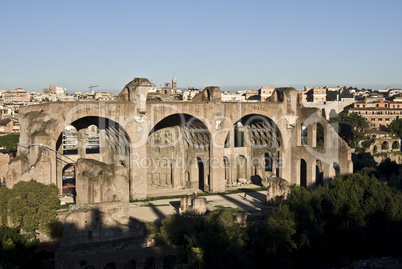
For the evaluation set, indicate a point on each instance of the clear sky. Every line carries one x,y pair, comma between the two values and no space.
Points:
230,44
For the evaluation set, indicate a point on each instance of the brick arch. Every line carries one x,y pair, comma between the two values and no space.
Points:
77,112
114,142
158,112
181,139
259,137
86,121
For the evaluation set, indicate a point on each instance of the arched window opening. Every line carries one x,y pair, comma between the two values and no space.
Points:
303,134
268,162
319,174
70,140
227,170
241,169
385,145
332,114
303,173
278,164
337,169
320,136
395,145
239,135
92,140
200,173
68,178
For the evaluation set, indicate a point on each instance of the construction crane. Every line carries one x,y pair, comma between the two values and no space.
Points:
92,86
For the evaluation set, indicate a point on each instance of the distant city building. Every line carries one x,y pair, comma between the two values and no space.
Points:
265,92
57,90
253,94
316,94
379,114
232,97
332,100
18,97
190,93
9,126
393,92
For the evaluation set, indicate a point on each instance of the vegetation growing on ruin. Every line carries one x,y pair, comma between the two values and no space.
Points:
356,217
351,127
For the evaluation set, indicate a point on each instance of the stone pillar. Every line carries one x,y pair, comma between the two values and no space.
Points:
104,149
217,152
312,135
81,143
138,133
310,173
329,173
177,176
53,170
138,174
231,137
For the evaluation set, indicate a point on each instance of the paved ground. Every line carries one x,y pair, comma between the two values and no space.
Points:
159,209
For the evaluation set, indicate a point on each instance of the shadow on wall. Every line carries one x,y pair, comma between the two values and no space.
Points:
94,239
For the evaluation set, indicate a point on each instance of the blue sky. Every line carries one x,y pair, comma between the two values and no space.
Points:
230,44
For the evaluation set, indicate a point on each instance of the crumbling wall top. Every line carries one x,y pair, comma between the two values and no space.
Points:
209,94
136,91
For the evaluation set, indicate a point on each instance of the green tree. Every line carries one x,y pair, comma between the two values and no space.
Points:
200,238
356,216
9,143
388,167
396,127
320,135
3,206
32,205
351,127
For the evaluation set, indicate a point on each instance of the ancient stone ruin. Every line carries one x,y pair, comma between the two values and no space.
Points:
104,154
199,145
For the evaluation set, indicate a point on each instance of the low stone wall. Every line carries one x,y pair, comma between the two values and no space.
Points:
193,203
99,223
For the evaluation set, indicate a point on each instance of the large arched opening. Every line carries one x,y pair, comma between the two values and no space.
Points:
241,169
178,149
258,139
94,138
385,145
337,170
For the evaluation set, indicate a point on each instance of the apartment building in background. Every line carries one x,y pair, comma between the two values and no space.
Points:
379,114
